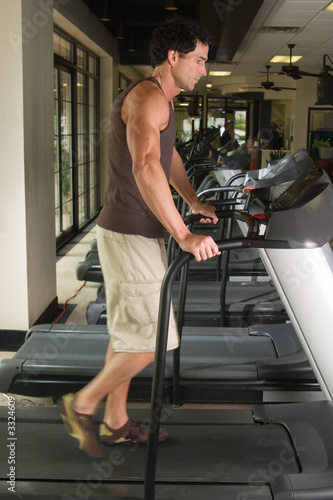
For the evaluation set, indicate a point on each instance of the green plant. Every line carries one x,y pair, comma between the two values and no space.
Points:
277,154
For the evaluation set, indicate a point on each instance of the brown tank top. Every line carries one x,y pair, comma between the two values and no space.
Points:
124,209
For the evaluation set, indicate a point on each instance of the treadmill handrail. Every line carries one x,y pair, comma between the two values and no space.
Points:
161,344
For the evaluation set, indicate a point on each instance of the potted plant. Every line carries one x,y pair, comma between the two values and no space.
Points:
277,154
324,148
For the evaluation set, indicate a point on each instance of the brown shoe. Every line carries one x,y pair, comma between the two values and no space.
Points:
80,426
131,432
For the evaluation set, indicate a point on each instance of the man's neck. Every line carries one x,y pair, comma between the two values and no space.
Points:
166,82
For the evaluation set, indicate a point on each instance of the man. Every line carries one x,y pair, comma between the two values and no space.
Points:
275,140
138,208
226,137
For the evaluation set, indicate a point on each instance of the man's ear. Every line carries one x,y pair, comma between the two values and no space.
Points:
173,57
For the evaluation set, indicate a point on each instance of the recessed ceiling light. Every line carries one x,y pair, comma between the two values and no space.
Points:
279,29
329,7
219,73
285,59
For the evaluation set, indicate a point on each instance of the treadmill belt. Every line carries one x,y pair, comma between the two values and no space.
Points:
106,491
208,454
209,446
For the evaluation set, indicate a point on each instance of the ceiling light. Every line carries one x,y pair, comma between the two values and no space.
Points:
285,59
329,7
132,44
120,35
279,29
219,73
208,85
171,5
104,10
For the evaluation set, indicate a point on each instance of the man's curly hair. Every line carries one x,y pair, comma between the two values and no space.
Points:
180,35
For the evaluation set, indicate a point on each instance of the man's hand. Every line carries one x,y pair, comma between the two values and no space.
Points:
202,247
207,210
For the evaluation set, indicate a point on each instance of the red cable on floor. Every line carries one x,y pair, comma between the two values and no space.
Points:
65,303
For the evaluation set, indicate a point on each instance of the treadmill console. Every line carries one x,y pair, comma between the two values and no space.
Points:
302,190
302,213
292,193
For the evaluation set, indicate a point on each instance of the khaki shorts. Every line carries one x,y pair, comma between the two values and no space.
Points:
133,268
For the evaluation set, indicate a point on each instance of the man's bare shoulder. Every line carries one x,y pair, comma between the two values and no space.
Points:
146,99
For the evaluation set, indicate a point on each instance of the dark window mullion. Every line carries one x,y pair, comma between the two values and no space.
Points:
88,152
60,156
75,154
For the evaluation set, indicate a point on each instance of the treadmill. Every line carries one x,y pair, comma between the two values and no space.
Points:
245,300
240,363
242,263
272,452
297,247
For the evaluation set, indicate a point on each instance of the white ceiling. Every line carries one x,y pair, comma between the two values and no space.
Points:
313,39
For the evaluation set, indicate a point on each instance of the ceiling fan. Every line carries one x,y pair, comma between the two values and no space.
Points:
294,71
268,85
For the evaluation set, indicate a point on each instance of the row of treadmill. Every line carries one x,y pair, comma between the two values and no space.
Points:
256,330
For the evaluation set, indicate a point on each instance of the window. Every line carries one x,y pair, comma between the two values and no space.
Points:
240,125
63,151
123,82
187,123
221,110
76,137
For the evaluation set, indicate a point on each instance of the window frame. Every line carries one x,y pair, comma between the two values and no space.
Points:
91,138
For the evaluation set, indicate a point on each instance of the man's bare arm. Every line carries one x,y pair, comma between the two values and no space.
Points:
179,180
144,120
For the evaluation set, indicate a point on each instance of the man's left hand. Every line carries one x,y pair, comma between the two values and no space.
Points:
208,211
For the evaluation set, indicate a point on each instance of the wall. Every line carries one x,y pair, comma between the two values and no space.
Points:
27,232
27,250
38,158
13,257
306,98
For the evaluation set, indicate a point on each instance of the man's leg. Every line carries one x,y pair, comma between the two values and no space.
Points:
77,410
115,414
117,373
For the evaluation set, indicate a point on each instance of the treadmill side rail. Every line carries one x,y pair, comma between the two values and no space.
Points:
311,428
8,372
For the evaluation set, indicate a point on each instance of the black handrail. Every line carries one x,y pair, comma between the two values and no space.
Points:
161,344
222,215
219,204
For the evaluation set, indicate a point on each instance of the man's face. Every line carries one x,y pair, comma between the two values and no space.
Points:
190,67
